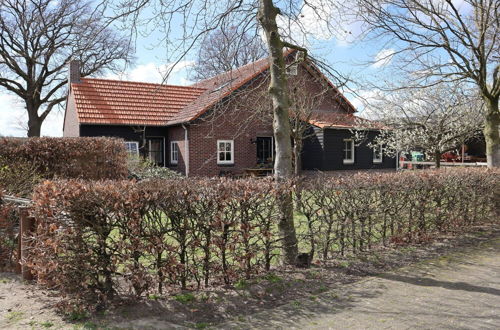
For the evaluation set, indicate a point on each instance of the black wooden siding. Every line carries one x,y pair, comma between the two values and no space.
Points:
128,133
313,149
324,151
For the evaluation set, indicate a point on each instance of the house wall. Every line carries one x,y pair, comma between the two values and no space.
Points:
245,117
235,124
128,133
313,149
71,127
331,101
177,134
332,157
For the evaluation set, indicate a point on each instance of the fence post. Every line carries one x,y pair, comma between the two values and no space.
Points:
27,225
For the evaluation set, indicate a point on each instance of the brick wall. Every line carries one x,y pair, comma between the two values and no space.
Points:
242,119
176,134
71,127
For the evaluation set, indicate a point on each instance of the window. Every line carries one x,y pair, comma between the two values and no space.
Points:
377,154
225,151
348,151
292,69
132,148
265,150
174,152
155,150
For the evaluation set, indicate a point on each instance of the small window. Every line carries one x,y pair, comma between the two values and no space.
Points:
155,150
132,148
174,152
377,154
225,152
292,70
348,151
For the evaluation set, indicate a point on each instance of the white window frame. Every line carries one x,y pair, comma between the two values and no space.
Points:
174,151
129,151
381,156
349,160
292,70
225,162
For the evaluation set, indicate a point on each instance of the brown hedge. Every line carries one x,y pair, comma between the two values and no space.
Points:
98,240
8,232
351,214
87,157
93,237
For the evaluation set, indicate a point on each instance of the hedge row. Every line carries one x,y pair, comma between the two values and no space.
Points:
98,240
89,158
351,214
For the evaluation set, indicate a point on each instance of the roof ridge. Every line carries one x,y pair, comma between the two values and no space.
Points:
143,83
285,54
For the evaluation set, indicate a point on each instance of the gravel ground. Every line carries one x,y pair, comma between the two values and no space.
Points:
455,291
450,282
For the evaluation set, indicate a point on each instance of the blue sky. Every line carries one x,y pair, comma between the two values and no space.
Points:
345,56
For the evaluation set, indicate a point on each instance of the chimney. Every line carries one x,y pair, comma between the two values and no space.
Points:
74,71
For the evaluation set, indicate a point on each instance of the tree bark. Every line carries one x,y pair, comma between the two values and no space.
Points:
281,126
437,158
297,149
34,121
491,132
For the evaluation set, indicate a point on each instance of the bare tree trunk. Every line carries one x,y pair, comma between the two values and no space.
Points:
491,132
298,159
437,158
34,121
281,125
297,149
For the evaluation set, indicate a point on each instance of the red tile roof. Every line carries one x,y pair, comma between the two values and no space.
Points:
219,87
100,101
326,119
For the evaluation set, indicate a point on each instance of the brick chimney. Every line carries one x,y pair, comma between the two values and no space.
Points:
74,71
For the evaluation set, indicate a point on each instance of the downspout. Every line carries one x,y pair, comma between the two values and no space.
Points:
186,149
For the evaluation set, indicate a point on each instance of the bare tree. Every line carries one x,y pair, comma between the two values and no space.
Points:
303,102
445,41
38,39
435,119
226,49
199,17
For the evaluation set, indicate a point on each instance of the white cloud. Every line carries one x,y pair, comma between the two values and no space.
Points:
383,57
153,73
365,100
12,113
321,20
14,119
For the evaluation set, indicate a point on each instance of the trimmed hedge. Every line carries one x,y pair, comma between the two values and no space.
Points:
93,237
99,240
84,157
351,214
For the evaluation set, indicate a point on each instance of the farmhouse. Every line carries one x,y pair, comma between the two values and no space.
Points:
218,126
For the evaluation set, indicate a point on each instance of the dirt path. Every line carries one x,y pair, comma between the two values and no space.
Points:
457,291
25,306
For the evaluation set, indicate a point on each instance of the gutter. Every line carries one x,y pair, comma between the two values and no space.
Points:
186,149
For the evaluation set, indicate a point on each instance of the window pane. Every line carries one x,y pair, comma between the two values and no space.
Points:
228,146
155,150
221,146
221,156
